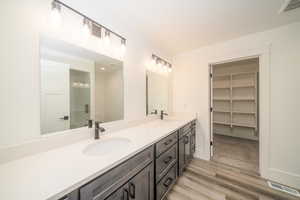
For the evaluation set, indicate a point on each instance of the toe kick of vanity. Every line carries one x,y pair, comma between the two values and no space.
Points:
148,175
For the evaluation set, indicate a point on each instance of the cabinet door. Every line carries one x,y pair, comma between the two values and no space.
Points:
184,152
193,143
120,194
141,186
181,155
187,149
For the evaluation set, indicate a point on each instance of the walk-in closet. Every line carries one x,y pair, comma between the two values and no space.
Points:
235,109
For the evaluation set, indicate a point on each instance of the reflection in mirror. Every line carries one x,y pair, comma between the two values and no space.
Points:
109,92
157,92
78,85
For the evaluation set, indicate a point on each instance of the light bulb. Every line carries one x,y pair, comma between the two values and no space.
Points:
165,67
107,37
123,46
55,14
152,63
170,68
86,27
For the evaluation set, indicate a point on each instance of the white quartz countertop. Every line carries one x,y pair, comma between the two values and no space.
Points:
52,174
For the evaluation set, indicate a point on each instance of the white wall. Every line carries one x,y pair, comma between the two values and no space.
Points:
22,22
191,93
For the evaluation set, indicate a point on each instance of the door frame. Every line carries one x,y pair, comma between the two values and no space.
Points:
263,54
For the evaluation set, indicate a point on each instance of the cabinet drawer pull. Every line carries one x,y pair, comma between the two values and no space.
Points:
167,160
132,190
186,140
168,142
125,194
168,182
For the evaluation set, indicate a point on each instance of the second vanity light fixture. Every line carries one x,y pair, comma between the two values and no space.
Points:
89,26
159,65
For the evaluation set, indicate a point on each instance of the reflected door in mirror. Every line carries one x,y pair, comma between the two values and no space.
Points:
54,96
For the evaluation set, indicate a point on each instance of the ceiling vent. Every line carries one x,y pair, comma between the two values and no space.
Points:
290,5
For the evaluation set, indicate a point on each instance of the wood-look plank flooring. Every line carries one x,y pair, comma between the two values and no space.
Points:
237,152
210,180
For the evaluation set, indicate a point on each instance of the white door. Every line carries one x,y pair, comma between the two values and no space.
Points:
55,95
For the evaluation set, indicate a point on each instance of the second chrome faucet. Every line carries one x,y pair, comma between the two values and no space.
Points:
98,128
162,113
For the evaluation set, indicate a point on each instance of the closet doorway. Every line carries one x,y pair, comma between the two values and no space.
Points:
235,113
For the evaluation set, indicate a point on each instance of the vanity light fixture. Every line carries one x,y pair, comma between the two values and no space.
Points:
88,23
160,65
169,68
107,37
86,27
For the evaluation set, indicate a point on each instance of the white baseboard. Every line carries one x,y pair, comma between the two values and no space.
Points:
200,155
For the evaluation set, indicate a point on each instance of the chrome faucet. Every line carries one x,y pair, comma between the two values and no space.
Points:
154,112
162,113
98,129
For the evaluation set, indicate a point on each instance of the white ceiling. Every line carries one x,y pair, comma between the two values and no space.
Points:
181,25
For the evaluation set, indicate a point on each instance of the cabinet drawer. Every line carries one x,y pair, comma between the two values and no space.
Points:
165,143
166,183
103,186
184,130
165,161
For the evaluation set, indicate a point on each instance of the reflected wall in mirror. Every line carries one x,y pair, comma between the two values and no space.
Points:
78,85
157,90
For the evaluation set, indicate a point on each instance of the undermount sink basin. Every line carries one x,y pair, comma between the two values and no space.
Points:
107,146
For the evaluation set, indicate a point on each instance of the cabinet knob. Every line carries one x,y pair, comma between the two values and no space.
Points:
64,118
186,140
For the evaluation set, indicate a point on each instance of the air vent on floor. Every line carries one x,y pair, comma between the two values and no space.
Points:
290,5
282,188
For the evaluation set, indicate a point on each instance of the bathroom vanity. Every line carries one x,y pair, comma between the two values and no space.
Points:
147,175
139,162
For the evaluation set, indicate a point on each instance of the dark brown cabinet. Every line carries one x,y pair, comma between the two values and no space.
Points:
108,184
166,183
120,194
184,153
148,175
139,187
166,164
142,185
186,146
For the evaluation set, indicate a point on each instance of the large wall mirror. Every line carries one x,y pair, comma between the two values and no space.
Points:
157,90
77,85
